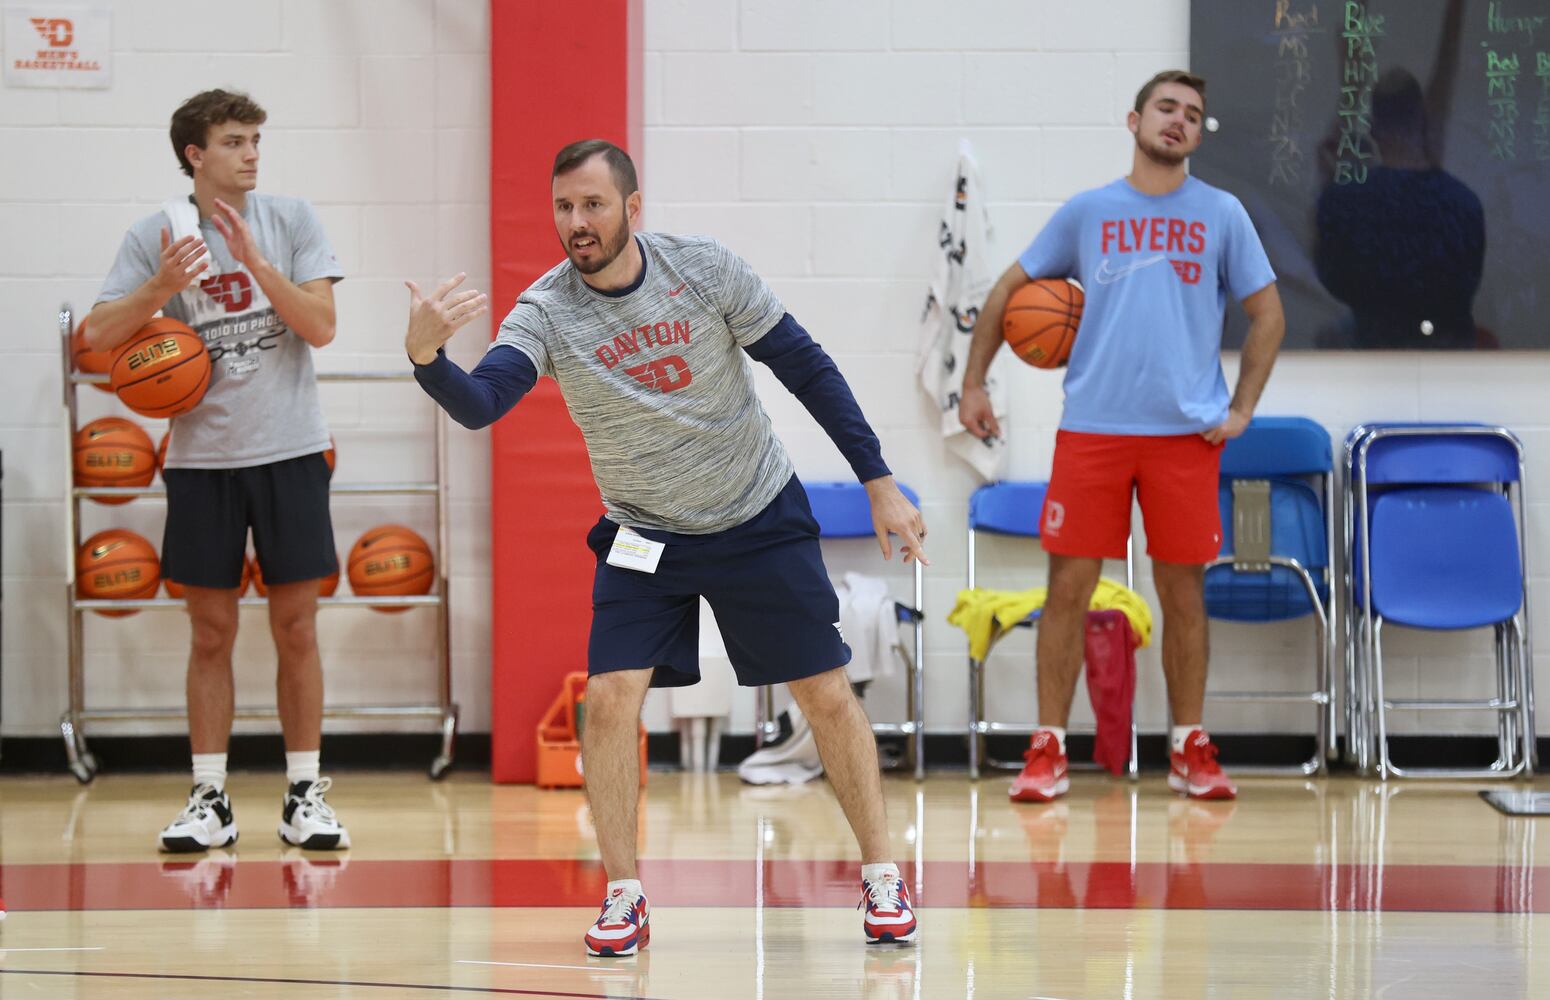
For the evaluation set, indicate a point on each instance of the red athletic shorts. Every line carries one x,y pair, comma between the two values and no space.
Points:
1087,509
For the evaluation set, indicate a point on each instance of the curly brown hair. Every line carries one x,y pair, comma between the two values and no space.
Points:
192,122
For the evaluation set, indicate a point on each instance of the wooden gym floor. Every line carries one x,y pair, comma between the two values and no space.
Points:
1330,888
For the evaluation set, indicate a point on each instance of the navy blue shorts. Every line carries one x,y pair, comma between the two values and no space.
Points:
764,579
209,513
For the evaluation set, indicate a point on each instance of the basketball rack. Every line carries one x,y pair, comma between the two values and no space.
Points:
72,723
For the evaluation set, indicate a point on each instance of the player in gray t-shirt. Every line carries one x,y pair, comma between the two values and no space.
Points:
646,335
253,275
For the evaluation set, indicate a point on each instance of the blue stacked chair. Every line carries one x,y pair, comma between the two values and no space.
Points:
1437,526
1277,497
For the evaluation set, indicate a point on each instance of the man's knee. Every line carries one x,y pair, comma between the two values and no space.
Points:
823,696
1071,584
296,635
1181,588
213,637
615,697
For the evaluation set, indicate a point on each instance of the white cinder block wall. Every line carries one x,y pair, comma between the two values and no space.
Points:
379,114
815,138
818,139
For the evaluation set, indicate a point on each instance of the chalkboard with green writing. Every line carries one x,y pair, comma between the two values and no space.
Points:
1395,158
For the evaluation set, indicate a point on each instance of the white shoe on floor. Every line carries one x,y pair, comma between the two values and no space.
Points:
309,822
205,822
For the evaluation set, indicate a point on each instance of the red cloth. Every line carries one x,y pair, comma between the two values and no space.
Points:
1110,654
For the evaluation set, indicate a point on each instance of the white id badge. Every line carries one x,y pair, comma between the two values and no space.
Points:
633,551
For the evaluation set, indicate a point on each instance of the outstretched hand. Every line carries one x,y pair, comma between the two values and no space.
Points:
893,514
434,318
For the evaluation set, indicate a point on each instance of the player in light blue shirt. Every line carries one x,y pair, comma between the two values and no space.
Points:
1158,253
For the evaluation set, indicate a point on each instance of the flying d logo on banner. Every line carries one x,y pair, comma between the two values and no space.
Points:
58,46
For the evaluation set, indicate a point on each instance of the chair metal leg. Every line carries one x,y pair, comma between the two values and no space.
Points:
915,743
1367,711
765,726
1525,673
1133,766
1374,628
1507,744
1322,741
976,716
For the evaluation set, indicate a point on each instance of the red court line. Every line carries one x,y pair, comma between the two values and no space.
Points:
216,881
508,991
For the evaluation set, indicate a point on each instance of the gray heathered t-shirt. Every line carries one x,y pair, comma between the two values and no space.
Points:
262,405
659,385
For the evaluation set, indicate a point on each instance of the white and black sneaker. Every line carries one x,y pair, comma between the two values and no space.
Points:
206,822
309,822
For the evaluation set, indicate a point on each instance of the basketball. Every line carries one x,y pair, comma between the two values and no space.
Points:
390,560
328,456
1041,320
87,361
249,568
326,584
163,370
112,451
161,452
116,564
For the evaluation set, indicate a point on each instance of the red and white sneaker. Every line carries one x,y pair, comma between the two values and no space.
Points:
1196,773
1044,775
890,918
623,928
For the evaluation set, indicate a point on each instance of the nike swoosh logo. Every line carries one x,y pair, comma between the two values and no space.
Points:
673,294
1107,275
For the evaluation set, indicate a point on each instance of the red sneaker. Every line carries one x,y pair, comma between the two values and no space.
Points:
1044,775
623,928
890,918
1196,773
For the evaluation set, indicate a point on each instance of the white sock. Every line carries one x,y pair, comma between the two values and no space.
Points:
874,872
210,769
1181,733
631,887
302,765
1059,732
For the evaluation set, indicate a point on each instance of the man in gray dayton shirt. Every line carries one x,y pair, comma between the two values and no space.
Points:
253,275
646,335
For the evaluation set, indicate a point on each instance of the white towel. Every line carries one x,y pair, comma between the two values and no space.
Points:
959,283
870,624
183,216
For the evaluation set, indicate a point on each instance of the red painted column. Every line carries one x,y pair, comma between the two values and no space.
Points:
558,72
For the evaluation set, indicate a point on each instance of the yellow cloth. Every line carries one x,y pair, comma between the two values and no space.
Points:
987,614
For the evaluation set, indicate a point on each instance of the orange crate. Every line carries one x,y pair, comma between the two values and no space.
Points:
559,752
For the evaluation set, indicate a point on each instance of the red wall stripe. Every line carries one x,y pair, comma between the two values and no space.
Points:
558,73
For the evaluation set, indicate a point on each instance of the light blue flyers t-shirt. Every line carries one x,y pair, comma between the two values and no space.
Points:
1156,270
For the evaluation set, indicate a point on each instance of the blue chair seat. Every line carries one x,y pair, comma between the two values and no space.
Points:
1445,558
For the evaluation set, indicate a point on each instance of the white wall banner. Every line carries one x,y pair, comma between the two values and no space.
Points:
54,45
